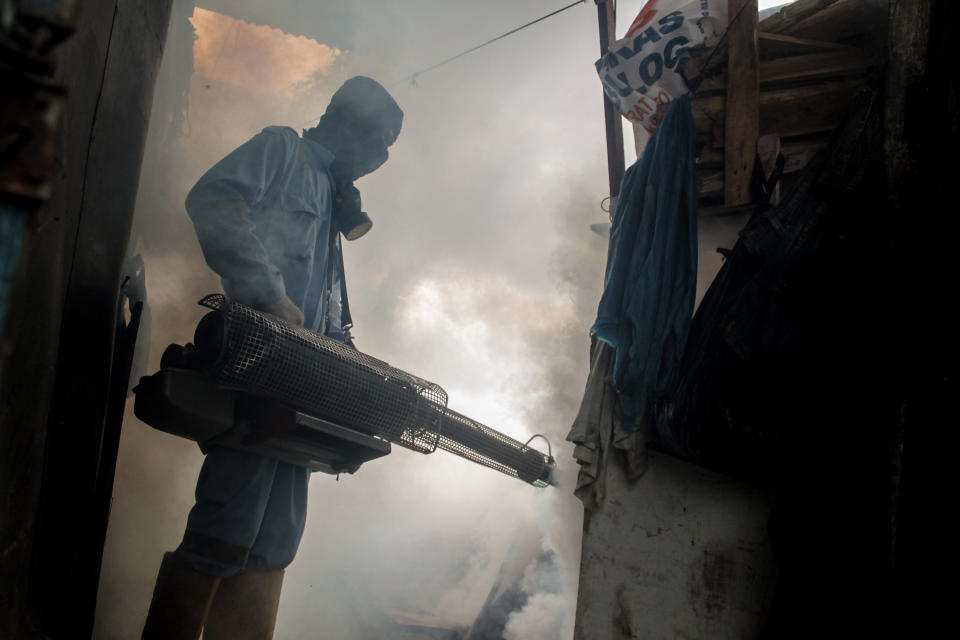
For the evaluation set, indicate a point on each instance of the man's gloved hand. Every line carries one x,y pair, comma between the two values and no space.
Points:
284,309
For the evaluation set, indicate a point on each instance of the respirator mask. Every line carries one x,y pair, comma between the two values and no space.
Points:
361,121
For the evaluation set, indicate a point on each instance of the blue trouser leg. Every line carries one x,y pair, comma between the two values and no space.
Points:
283,520
247,507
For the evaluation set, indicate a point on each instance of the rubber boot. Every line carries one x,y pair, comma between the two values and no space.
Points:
181,600
245,607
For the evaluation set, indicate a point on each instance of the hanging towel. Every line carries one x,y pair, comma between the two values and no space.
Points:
650,281
597,430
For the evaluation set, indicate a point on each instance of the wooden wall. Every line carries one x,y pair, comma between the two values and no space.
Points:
56,376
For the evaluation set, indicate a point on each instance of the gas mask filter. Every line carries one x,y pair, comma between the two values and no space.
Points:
350,220
355,225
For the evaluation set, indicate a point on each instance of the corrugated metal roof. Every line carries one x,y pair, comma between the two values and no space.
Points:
296,17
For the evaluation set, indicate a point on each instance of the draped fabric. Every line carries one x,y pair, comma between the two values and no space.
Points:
598,430
650,281
644,313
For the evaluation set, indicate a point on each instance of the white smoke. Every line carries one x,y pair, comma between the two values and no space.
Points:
543,618
480,274
546,612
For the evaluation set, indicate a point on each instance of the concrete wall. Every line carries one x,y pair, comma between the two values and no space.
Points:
682,553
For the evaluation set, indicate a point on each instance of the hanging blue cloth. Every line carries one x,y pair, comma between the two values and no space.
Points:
650,281
11,233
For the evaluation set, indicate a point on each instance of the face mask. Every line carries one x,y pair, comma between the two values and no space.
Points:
360,148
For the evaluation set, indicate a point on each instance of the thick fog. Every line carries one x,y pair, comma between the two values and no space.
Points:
480,274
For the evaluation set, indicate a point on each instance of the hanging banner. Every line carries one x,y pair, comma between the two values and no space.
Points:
642,70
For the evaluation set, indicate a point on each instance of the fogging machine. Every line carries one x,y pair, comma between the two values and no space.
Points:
251,381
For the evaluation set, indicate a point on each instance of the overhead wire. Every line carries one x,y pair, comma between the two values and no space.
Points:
412,79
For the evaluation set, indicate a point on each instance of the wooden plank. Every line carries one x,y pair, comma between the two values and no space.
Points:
709,183
796,152
844,62
704,61
845,21
54,393
794,111
847,61
799,42
741,115
707,113
607,18
796,155
806,110
709,158
711,64
791,14
779,45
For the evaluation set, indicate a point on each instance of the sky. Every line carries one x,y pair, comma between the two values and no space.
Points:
480,274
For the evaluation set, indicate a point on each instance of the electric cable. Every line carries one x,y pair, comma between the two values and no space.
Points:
412,79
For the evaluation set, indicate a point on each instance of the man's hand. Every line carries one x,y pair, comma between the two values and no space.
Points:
284,309
348,340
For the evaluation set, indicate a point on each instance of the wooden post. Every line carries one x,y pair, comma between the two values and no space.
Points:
606,13
742,107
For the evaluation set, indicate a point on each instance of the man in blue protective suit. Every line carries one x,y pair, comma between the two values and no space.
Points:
269,218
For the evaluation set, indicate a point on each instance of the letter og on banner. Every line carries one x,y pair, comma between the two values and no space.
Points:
643,69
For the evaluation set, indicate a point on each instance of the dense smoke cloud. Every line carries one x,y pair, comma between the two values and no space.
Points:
480,274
